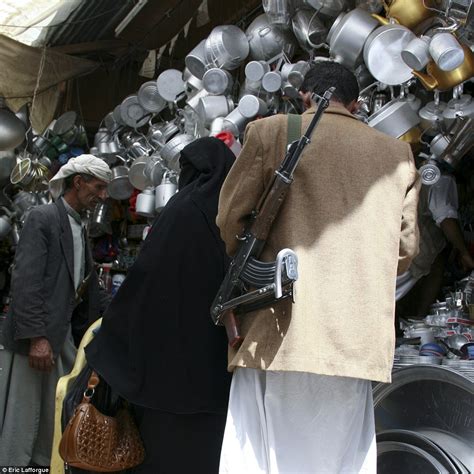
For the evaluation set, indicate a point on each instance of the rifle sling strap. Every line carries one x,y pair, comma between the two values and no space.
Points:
294,128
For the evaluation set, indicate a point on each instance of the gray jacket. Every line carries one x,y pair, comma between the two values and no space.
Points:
42,287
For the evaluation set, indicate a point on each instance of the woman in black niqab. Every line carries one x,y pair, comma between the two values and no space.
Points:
157,346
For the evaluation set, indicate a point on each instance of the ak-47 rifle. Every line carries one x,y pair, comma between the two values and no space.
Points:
272,281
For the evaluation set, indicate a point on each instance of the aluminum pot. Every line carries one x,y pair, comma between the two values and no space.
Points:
395,118
348,35
295,73
226,47
267,41
170,85
192,83
155,169
172,150
382,54
119,187
462,106
149,98
329,8
217,81
309,30
235,122
164,192
277,11
251,106
5,226
272,81
196,60
12,129
416,53
99,220
145,205
132,113
431,116
214,106
136,173
446,51
436,78
255,70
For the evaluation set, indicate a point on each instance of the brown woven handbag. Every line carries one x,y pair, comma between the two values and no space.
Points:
100,443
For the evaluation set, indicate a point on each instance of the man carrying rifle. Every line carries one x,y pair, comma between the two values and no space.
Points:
301,398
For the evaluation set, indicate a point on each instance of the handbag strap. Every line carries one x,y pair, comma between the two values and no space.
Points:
91,385
294,128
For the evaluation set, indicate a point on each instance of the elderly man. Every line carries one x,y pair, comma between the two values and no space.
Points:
301,399
55,295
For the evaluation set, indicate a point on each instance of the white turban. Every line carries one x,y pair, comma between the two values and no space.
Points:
86,164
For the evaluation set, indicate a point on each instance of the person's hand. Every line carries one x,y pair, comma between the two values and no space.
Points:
467,262
41,354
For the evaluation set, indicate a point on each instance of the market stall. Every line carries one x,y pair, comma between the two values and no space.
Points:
414,61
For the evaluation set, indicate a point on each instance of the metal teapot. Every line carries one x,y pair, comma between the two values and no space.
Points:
165,191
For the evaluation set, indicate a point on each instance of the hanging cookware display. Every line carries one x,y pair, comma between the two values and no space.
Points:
145,204
267,41
416,54
12,129
328,8
195,60
462,106
308,29
409,13
217,81
348,35
213,106
192,84
172,150
395,118
165,191
136,173
154,170
226,47
119,187
235,122
5,222
170,85
255,70
29,174
149,98
272,81
132,113
251,106
435,78
277,11
99,220
446,51
382,54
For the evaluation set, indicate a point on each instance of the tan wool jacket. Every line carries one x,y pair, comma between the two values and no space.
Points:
351,217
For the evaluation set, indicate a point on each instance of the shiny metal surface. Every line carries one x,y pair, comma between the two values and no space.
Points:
171,151
267,41
422,442
395,118
170,84
382,54
12,130
119,186
226,47
429,399
149,97
348,35
196,60
394,457
132,113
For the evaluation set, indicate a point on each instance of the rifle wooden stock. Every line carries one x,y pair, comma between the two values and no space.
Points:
232,328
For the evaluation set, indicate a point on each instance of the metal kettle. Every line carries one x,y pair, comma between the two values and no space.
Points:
164,192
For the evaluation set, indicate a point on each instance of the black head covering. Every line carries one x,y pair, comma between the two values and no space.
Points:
157,346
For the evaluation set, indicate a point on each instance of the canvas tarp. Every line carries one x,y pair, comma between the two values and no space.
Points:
20,68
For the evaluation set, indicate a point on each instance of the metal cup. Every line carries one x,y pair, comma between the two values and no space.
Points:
255,70
251,106
213,106
277,11
272,81
446,51
416,53
217,81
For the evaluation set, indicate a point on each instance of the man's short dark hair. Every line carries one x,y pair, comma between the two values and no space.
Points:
69,180
326,74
